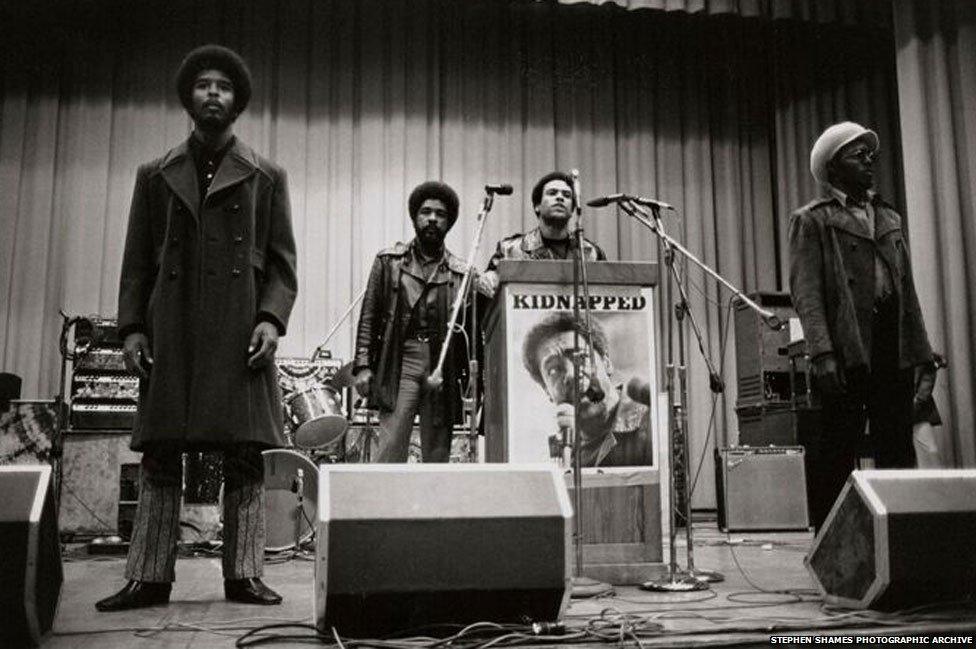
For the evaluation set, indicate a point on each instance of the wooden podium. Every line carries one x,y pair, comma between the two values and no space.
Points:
622,495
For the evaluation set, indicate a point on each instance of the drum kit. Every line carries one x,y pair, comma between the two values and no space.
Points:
319,432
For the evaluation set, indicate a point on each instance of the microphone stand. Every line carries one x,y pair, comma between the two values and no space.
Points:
335,327
436,378
582,586
691,579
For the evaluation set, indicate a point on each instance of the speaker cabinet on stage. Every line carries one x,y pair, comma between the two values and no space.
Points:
898,538
761,488
31,570
403,546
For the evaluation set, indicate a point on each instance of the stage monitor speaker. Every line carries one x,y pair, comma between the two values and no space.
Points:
761,488
406,546
30,571
898,538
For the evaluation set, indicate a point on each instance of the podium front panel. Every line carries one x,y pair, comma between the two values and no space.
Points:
530,375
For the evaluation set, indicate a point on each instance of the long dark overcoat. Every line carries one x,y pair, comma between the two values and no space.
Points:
832,281
197,276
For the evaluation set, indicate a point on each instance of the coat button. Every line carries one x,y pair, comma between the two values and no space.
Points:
236,272
173,274
238,239
235,208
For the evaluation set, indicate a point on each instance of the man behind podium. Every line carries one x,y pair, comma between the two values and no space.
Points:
614,430
553,202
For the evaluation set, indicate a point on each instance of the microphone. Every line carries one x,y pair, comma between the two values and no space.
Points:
501,190
650,202
639,390
603,201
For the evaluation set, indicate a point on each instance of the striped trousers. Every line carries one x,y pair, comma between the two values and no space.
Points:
156,530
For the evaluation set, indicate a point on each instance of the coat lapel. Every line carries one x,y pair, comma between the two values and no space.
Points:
842,219
181,176
237,166
887,222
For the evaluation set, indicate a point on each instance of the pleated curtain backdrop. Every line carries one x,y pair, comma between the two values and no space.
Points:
360,101
936,57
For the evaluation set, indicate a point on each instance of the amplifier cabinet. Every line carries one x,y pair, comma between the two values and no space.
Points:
761,488
761,365
92,483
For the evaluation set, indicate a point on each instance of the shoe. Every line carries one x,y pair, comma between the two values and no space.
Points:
250,591
136,594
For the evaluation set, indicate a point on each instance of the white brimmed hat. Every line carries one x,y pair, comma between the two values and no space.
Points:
833,140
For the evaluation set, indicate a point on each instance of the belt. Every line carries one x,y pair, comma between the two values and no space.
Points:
422,336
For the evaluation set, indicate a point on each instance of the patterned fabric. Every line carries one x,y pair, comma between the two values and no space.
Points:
26,429
531,245
152,554
156,531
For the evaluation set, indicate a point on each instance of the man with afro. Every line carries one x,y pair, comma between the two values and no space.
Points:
403,325
553,202
208,281
614,430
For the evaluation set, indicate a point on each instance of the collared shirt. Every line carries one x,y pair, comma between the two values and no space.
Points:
864,213
207,162
420,272
627,443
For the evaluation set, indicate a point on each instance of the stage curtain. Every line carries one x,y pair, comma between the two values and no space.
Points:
936,62
821,11
360,101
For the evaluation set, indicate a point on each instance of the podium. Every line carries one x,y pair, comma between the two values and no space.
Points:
528,374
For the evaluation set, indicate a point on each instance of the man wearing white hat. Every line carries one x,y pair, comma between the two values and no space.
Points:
852,286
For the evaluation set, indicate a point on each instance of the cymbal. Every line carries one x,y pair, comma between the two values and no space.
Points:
344,377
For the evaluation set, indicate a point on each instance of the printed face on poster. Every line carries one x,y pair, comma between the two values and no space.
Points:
616,430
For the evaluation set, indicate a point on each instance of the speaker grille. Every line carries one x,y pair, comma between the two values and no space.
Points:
845,561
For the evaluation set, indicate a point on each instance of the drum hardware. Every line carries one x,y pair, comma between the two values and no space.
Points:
368,420
291,496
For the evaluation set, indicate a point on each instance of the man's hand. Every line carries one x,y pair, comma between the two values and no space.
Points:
826,375
487,283
364,382
138,358
924,382
264,342
565,416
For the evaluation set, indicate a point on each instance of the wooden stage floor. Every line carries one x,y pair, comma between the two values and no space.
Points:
767,591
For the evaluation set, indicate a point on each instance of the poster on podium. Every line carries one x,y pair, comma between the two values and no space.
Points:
618,405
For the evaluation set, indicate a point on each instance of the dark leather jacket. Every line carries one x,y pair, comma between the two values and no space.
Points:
832,275
383,324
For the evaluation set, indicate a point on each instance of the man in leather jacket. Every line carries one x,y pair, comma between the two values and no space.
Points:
553,203
402,327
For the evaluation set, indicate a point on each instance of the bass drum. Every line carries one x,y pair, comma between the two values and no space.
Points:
287,474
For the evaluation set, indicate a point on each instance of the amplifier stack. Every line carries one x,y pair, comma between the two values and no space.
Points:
768,376
104,395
